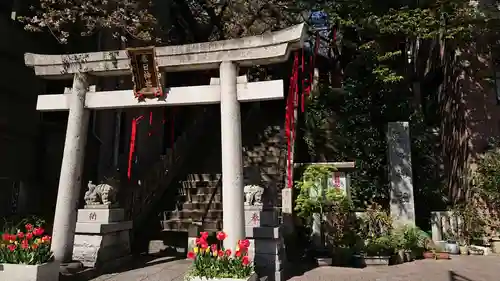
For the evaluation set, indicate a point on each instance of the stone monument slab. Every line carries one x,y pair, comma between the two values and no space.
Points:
402,205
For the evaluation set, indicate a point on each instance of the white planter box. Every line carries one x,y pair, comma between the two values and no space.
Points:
252,277
22,272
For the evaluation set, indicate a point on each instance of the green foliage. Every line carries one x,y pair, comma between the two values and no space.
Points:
312,197
409,238
487,176
379,246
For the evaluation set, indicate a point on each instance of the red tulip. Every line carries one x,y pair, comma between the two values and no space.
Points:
191,255
245,260
221,235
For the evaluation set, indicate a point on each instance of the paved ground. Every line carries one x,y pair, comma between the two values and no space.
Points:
159,269
469,268
460,268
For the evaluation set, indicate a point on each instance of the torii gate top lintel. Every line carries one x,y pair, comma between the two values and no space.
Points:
264,49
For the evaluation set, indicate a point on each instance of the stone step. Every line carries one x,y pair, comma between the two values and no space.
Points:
192,227
202,190
201,198
203,177
197,184
196,215
202,205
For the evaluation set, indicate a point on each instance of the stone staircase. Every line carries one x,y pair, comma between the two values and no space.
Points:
199,198
143,199
201,209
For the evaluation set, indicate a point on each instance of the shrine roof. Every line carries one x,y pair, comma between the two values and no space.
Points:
263,49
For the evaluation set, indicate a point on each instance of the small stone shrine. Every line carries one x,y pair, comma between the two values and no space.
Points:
263,230
102,234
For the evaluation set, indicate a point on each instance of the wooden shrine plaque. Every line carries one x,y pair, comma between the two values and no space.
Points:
145,74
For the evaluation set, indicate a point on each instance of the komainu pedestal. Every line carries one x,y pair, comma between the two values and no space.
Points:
102,236
263,230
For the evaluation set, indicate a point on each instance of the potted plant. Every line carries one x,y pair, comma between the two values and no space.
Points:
313,201
378,251
451,243
436,252
214,263
378,244
25,255
340,228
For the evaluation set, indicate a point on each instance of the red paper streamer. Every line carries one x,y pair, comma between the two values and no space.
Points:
133,134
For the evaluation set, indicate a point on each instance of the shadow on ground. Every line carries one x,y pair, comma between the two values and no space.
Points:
135,263
457,277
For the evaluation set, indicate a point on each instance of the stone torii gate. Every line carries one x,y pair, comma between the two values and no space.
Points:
226,55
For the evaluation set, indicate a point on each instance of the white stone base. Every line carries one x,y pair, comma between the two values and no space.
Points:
101,237
21,272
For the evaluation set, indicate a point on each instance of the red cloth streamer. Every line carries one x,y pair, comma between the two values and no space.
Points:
290,116
150,133
133,134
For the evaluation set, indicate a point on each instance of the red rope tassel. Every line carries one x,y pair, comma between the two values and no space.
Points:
133,134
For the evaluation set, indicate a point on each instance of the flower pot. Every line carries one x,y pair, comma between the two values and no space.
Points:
252,277
399,257
22,272
408,256
464,250
437,256
324,261
452,248
370,261
495,245
342,256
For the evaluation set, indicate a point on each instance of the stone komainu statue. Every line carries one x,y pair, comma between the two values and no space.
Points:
101,194
253,195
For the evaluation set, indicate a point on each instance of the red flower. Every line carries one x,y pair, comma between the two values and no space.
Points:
34,246
25,245
198,241
46,238
213,247
228,253
245,260
191,255
29,227
238,254
11,247
244,244
220,253
38,231
221,235
203,245
5,237
204,235
20,235
29,235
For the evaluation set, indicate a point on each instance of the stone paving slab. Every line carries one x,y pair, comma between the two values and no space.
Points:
459,268
160,269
